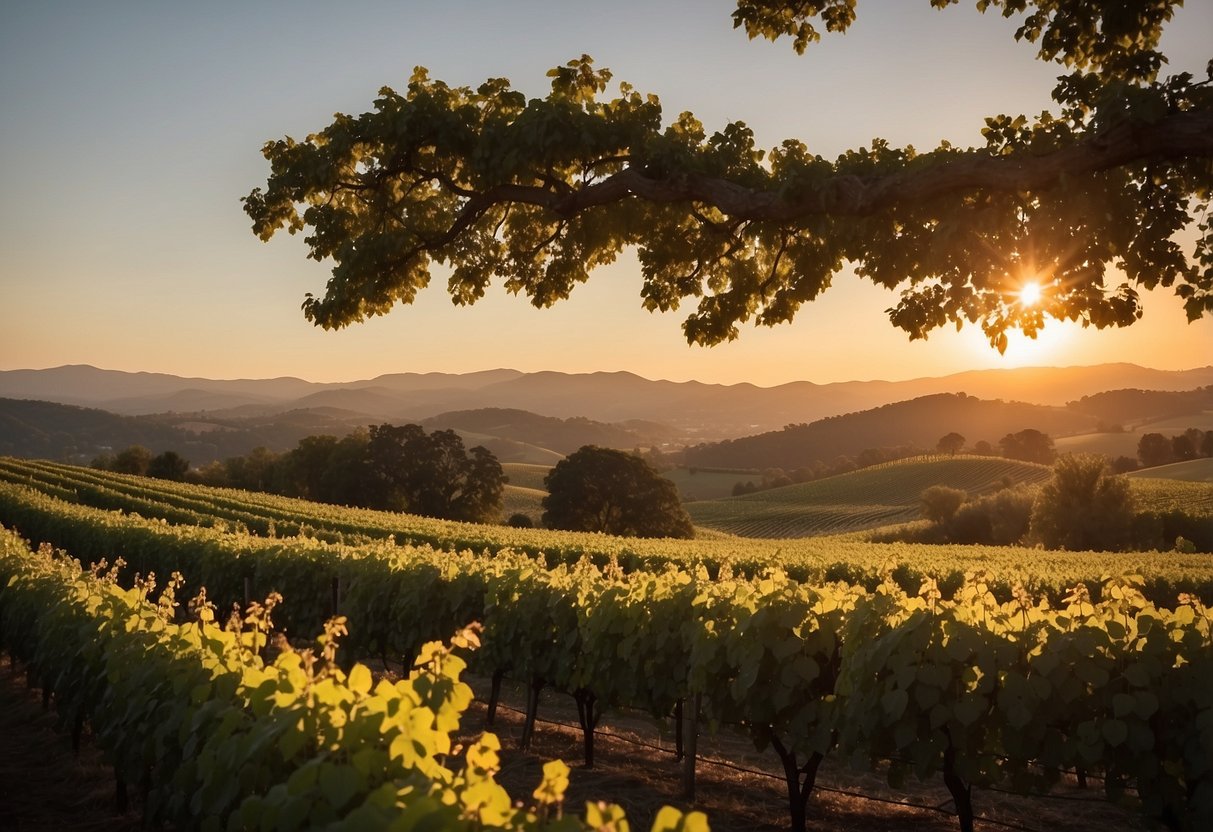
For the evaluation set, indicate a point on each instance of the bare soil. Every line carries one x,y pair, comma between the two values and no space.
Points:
742,789
44,787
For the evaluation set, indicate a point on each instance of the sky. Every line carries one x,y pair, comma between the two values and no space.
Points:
132,129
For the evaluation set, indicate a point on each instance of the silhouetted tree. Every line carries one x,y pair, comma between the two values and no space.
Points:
1153,449
133,460
432,474
168,466
302,469
255,471
983,448
950,443
1124,464
605,490
1182,448
1028,445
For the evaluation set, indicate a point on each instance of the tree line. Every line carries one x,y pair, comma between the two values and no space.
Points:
386,467
1086,505
402,468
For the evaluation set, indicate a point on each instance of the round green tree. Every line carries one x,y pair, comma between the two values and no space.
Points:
604,490
1084,507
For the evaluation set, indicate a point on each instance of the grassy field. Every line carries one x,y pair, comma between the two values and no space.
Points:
859,500
1194,470
707,485
1125,444
526,475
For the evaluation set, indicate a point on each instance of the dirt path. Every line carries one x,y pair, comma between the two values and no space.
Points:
44,787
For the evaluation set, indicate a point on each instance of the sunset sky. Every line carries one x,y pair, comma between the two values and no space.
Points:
132,129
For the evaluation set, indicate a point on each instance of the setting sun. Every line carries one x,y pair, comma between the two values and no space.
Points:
1029,294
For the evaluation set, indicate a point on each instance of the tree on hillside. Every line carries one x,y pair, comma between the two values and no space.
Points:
1153,449
302,469
1028,445
950,443
1084,507
132,460
255,471
1182,448
489,184
432,475
605,490
168,466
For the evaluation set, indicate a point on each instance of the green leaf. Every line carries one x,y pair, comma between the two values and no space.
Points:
970,709
339,784
894,703
1114,732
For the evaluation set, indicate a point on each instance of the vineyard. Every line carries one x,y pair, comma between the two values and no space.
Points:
524,475
1194,470
25,486
1022,669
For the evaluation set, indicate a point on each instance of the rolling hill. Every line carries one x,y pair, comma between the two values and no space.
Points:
866,499
917,423
1193,470
560,435
1141,407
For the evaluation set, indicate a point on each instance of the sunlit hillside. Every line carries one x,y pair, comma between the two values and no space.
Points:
525,474
1194,470
864,499
1125,443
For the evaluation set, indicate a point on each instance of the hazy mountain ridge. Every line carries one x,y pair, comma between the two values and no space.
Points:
561,435
70,433
1142,406
917,423
700,411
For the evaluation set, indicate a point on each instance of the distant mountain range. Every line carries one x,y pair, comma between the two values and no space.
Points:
697,412
918,423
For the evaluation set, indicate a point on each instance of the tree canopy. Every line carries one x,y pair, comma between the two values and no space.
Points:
605,490
1084,507
539,192
1029,445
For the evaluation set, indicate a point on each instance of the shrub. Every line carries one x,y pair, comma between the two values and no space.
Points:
1084,507
939,503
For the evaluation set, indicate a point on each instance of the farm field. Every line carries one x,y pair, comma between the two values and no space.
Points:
865,499
57,496
699,484
1125,444
1193,470
562,624
526,475
518,500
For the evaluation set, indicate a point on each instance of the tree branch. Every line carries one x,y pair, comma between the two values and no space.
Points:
1175,136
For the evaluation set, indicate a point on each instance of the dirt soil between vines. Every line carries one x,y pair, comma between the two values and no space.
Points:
44,786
